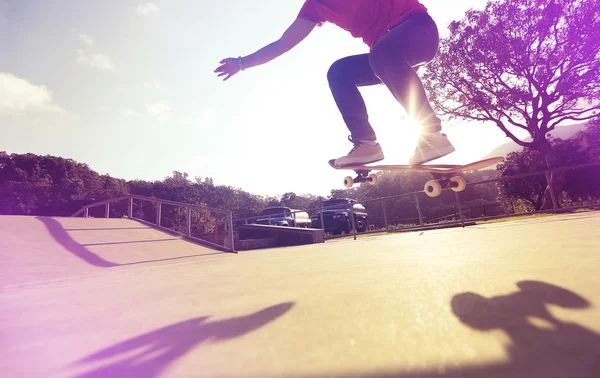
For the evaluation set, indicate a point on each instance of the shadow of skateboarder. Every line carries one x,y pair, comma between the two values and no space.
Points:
149,355
541,344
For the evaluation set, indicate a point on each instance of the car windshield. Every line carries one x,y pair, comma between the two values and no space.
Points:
337,203
275,211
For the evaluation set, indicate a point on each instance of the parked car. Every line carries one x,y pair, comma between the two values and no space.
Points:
337,219
284,216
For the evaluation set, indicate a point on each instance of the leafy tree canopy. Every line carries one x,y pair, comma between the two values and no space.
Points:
527,64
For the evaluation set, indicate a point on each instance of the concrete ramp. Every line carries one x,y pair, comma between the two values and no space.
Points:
516,299
38,249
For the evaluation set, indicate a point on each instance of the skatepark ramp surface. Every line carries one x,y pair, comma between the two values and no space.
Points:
96,298
38,249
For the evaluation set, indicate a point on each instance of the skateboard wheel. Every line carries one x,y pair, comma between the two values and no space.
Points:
461,183
433,188
373,179
348,182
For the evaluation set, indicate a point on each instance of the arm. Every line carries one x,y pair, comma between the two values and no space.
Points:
295,34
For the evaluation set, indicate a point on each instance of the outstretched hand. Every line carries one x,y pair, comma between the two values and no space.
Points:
228,68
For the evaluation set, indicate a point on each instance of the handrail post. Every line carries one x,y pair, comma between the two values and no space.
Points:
322,223
158,213
231,235
188,223
460,214
130,209
551,188
385,219
353,221
419,210
503,197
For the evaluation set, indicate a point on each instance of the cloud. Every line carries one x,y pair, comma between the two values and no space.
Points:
204,120
86,39
152,85
99,61
159,111
146,9
87,56
18,96
129,114
196,122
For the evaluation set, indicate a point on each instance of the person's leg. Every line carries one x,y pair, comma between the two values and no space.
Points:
345,76
411,44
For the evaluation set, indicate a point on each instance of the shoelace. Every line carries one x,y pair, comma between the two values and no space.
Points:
356,144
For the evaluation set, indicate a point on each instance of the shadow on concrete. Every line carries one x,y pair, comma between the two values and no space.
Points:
63,238
130,242
107,229
541,346
150,354
60,234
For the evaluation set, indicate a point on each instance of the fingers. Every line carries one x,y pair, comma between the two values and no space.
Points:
227,69
228,76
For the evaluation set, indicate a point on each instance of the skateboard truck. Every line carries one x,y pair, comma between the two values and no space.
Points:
434,188
362,176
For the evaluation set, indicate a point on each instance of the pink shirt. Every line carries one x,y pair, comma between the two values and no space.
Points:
366,19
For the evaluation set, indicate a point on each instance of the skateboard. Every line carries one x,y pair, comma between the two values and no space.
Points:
433,188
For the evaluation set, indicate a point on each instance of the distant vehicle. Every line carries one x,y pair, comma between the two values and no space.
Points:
338,219
284,216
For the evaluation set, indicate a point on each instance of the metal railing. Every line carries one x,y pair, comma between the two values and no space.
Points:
460,219
459,214
228,235
422,220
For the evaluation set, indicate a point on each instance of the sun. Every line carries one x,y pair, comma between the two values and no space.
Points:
398,138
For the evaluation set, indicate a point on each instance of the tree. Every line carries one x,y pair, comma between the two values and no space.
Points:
532,188
581,148
49,185
528,72
579,184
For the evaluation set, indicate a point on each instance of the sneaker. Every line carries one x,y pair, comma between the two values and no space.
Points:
431,146
364,152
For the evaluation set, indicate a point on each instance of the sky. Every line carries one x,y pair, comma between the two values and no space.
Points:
128,88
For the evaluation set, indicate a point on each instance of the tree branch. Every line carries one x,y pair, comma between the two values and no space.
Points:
574,117
510,135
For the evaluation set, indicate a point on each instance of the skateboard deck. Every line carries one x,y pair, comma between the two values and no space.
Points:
433,188
432,168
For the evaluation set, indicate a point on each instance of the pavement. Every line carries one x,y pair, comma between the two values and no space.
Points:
93,298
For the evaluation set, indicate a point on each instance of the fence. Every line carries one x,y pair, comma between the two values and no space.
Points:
198,223
421,212
418,211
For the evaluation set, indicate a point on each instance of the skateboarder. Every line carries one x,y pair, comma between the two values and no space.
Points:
401,37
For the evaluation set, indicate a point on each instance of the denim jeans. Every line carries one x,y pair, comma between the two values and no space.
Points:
393,61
